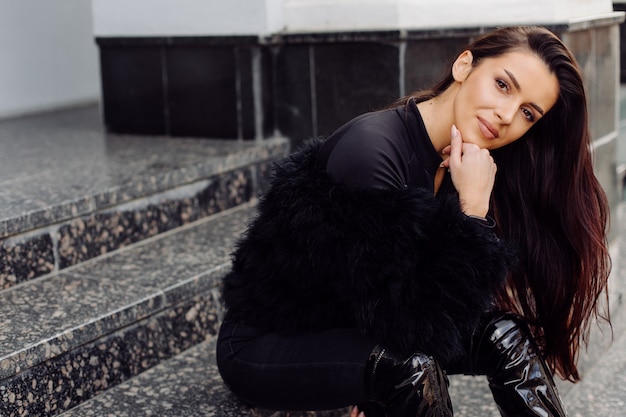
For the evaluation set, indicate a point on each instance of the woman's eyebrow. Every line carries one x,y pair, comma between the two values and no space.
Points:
513,79
517,86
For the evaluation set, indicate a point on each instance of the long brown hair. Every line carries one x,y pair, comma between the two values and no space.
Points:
548,200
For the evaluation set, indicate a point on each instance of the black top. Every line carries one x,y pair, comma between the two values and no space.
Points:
367,244
383,149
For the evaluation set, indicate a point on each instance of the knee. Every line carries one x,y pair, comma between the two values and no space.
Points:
504,338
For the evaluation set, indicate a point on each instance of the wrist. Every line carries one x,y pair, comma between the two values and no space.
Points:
486,221
476,210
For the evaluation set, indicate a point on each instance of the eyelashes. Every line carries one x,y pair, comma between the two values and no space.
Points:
504,87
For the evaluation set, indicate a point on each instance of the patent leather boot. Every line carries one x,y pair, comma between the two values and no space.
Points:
408,387
520,381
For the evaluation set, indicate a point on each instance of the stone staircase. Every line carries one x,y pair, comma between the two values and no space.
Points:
112,252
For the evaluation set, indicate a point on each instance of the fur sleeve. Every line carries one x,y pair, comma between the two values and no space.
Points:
406,268
427,286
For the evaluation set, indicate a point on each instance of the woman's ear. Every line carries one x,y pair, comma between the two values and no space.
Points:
462,66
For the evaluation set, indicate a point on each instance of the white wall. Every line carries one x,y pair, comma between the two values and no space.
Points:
187,17
258,17
329,15
48,58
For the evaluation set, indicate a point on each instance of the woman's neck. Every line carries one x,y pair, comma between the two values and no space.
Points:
438,117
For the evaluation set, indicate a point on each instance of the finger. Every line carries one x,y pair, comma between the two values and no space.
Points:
471,147
456,145
354,412
445,163
446,150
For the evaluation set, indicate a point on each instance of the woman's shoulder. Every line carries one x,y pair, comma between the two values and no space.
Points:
384,121
370,151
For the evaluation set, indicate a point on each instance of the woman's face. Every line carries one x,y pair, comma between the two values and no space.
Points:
502,97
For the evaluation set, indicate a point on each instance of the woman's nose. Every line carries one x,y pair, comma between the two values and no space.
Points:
506,113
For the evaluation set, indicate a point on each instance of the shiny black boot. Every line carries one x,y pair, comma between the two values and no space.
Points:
410,387
520,381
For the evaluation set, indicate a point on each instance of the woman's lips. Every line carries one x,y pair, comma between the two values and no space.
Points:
487,129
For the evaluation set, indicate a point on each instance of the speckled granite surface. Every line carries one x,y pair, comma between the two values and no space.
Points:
188,385
70,192
57,165
103,232
603,392
25,258
65,381
153,300
167,298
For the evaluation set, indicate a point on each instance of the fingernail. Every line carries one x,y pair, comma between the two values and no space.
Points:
441,165
454,130
361,414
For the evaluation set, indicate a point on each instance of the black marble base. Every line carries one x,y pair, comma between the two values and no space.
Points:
621,7
307,85
191,87
300,85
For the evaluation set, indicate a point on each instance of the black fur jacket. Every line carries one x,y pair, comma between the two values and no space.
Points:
408,269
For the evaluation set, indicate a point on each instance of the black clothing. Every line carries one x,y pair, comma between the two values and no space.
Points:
324,370
387,149
351,236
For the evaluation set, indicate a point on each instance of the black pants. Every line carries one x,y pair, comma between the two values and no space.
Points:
317,371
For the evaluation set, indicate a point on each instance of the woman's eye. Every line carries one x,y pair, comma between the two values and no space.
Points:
502,85
528,115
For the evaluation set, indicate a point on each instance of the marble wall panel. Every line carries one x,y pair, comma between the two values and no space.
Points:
132,88
621,7
245,77
293,99
605,170
255,66
202,91
267,101
607,75
205,87
426,63
597,52
353,78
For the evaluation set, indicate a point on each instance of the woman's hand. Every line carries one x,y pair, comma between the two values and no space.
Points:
355,412
473,174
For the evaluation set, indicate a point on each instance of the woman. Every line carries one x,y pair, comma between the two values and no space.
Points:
391,253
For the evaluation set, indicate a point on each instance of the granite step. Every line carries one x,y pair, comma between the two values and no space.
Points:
119,325
70,192
80,331
189,385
